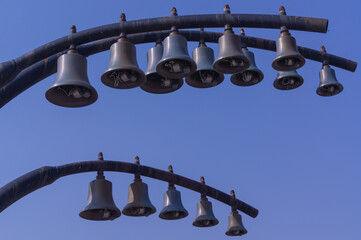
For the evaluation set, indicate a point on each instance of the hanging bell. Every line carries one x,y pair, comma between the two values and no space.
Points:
175,62
235,225
287,57
205,216
329,86
138,203
230,57
71,87
123,71
156,83
205,76
288,80
173,207
251,75
100,204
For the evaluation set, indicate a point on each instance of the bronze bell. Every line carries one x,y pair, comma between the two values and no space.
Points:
230,57
329,86
288,80
138,203
123,71
205,216
156,83
173,207
71,87
287,57
235,225
205,76
175,62
100,204
251,75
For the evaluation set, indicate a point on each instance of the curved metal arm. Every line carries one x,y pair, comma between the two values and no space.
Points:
9,69
47,67
41,177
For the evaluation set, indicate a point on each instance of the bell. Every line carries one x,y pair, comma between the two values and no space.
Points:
235,225
230,57
123,71
156,83
138,200
205,76
173,207
71,87
288,80
251,75
329,86
287,58
100,204
205,216
175,62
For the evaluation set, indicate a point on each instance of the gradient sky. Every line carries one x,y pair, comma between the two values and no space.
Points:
292,154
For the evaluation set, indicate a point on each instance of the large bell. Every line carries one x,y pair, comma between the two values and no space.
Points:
251,75
287,57
71,87
175,62
205,216
156,83
123,71
329,86
230,57
235,225
173,207
205,76
138,203
288,80
100,204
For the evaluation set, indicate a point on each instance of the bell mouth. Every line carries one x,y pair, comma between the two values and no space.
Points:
173,215
205,79
236,232
101,214
138,211
329,90
175,68
123,78
71,95
288,63
247,78
205,223
158,84
230,65
288,83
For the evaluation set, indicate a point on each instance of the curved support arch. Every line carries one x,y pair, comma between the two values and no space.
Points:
9,69
47,67
44,176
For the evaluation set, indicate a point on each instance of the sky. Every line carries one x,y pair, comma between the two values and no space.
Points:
293,155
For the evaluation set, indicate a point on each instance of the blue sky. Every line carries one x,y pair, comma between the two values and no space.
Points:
294,155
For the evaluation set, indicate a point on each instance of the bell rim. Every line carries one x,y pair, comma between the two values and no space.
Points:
277,86
246,61
320,93
239,83
126,212
214,222
166,74
243,232
280,67
184,215
135,84
193,82
52,99
117,214
149,90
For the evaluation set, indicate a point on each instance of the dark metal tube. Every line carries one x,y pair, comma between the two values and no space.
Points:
44,176
8,70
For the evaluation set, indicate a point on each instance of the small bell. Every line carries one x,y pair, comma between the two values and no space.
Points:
175,62
288,80
123,71
230,57
235,225
287,57
329,86
173,208
71,87
251,75
205,216
100,205
205,76
156,83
